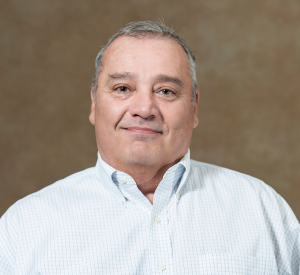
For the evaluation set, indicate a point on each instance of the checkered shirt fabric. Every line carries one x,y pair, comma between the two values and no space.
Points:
204,220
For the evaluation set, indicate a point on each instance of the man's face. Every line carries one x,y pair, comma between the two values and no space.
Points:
144,115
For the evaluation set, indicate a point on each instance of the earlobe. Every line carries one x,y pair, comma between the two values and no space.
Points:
196,121
92,114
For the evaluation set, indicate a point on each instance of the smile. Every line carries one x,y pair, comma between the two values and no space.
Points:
142,130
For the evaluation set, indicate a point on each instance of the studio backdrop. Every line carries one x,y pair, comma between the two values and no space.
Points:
248,64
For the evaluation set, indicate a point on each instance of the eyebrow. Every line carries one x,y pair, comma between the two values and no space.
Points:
123,75
172,79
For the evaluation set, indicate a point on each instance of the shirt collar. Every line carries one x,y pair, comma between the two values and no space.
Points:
178,173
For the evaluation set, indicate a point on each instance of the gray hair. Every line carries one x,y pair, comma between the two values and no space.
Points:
143,29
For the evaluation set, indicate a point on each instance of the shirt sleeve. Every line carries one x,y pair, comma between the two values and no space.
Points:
295,260
292,233
285,232
8,242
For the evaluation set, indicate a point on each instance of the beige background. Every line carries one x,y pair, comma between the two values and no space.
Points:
248,61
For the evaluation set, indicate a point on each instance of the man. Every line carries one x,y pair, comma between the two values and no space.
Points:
146,208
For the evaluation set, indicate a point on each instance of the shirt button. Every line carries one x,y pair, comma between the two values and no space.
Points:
123,179
177,196
162,267
122,202
157,219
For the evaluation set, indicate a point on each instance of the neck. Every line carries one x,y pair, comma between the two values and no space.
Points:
147,178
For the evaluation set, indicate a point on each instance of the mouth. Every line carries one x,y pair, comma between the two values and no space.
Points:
143,130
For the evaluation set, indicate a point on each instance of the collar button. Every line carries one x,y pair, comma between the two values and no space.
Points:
123,180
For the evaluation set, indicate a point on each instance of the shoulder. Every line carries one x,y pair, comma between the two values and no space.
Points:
235,186
79,180
226,177
32,217
242,190
58,194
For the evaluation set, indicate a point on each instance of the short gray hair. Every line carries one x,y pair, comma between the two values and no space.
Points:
143,29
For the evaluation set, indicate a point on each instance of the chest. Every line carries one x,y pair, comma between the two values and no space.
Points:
133,241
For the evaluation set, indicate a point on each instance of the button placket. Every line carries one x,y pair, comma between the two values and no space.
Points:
162,255
160,238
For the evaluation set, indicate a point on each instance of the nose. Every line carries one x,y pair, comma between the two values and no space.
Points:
144,105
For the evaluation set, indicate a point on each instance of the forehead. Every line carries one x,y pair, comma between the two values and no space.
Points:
146,55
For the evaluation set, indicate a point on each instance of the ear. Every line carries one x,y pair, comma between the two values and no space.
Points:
196,120
92,116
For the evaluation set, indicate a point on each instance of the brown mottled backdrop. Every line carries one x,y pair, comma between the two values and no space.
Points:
248,64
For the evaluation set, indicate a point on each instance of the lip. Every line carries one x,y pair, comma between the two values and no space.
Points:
142,130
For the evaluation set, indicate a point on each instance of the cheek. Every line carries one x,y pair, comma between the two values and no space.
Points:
109,113
179,119
180,125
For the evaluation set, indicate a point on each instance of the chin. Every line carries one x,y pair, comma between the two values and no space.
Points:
143,158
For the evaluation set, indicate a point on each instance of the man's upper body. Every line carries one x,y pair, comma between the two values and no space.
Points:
204,220
146,208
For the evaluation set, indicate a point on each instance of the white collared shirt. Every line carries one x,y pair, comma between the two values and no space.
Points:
204,220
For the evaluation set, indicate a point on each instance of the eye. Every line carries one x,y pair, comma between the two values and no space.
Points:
122,89
166,92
